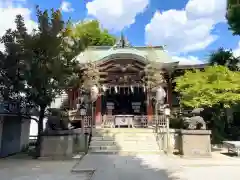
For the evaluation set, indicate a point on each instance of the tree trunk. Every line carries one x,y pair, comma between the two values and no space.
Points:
40,132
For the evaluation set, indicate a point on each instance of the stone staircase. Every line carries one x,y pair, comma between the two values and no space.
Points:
123,141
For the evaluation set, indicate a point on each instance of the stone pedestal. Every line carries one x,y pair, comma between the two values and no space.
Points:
63,144
195,143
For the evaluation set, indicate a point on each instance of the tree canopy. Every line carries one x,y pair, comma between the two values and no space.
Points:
92,34
225,58
41,63
233,16
152,75
11,77
214,85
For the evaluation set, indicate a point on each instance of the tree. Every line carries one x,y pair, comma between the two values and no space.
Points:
213,86
92,34
11,78
225,58
91,76
153,76
47,54
233,16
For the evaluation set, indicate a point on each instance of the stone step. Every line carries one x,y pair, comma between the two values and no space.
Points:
123,152
102,138
118,140
119,147
124,135
127,138
123,130
125,144
102,143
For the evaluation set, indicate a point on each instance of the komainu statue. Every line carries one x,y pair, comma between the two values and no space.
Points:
196,121
56,121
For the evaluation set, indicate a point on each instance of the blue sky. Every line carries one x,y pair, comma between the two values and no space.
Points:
190,29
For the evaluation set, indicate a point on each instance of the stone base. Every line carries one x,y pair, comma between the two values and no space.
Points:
195,143
63,144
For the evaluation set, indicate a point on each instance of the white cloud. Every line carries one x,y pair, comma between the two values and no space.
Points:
9,10
213,9
116,14
66,7
189,29
236,51
189,60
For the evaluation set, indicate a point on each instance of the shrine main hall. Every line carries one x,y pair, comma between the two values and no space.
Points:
125,92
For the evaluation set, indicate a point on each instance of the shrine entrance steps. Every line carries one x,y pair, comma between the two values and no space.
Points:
124,141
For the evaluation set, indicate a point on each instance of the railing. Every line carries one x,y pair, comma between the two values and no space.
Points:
86,124
138,121
108,121
87,121
160,121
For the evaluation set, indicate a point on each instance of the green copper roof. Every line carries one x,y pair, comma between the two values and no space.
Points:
124,49
103,52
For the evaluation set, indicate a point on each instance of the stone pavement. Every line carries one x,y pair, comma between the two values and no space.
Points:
28,169
117,167
161,167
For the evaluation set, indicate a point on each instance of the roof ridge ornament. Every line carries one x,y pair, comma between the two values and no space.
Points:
122,42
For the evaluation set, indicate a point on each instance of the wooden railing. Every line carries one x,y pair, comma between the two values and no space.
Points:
108,121
138,121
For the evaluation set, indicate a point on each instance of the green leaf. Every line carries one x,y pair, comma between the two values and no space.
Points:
214,85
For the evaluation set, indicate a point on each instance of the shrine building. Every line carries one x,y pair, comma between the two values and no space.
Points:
125,93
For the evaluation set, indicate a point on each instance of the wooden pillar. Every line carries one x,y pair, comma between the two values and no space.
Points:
169,93
70,98
150,111
74,99
98,113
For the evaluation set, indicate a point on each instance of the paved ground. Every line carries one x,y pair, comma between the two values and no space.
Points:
116,167
19,169
160,167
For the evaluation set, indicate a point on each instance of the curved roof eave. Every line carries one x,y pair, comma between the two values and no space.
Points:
134,56
131,53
